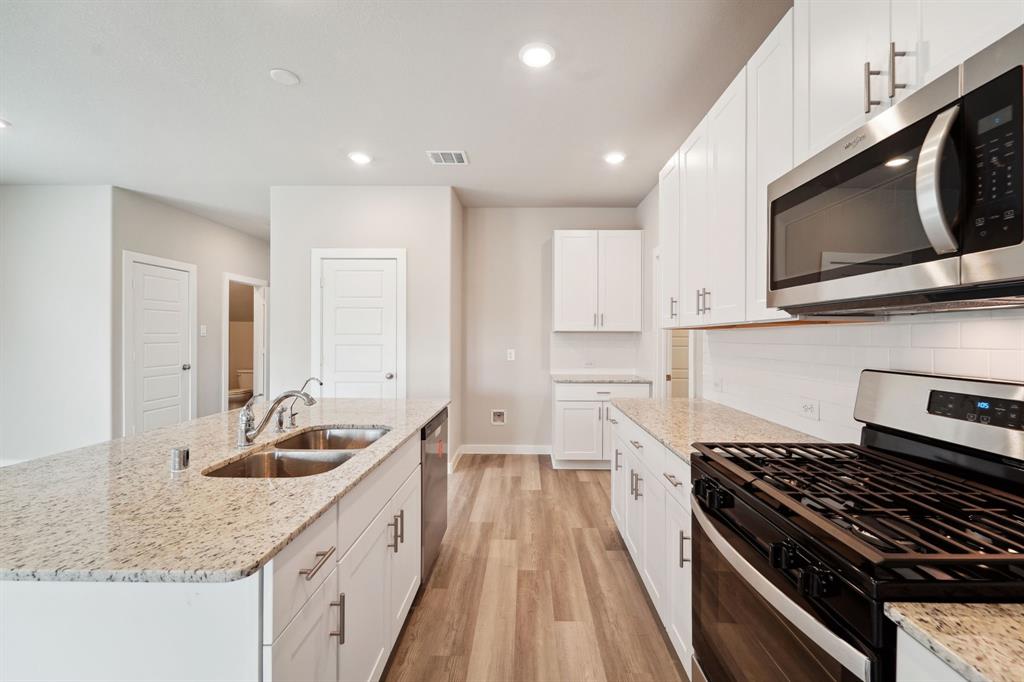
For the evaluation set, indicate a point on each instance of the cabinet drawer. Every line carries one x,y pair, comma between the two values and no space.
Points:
601,391
676,477
650,452
292,576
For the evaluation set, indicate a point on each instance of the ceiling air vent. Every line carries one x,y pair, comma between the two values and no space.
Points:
448,158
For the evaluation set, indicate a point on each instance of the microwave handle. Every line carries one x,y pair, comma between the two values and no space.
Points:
929,172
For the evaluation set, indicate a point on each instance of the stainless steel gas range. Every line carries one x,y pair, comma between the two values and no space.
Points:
797,547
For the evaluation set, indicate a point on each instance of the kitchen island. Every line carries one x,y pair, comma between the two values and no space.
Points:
141,573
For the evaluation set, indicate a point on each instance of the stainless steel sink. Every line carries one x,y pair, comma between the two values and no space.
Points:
304,454
283,464
332,439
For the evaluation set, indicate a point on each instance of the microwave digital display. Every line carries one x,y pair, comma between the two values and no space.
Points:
994,120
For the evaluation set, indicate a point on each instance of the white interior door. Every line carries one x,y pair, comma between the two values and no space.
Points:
359,328
159,343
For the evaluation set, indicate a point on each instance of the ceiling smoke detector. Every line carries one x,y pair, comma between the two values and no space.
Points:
448,158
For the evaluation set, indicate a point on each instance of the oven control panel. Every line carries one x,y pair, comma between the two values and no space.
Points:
976,408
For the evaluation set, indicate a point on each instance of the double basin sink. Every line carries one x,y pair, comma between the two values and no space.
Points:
304,454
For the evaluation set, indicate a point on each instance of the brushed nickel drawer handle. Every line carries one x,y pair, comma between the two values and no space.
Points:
617,455
340,634
401,526
321,560
682,560
394,525
638,494
673,480
636,444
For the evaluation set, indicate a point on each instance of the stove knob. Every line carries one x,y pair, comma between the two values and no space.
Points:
784,556
700,487
720,499
817,583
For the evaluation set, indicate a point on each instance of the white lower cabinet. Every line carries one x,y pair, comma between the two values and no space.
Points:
651,507
917,663
582,422
405,557
678,613
307,649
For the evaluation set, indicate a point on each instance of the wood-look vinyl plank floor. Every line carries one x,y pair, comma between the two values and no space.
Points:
533,584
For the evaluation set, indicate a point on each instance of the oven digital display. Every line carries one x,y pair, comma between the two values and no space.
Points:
980,409
994,120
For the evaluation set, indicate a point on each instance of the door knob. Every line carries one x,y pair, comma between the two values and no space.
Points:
186,367
389,375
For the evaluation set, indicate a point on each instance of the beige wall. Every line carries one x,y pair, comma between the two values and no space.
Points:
144,225
55,271
418,219
457,332
507,304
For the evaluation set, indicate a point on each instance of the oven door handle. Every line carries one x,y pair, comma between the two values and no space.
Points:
847,656
929,174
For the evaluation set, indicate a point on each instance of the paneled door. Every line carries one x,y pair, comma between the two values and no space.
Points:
157,349
574,280
359,327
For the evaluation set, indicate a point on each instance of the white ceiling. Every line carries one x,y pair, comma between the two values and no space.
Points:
173,98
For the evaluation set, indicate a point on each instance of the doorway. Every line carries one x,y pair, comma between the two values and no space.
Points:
243,340
358,321
158,342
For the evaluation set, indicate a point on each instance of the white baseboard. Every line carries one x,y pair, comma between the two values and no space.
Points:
580,464
504,449
454,461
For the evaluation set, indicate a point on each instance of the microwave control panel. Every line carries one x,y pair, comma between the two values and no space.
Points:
980,409
992,122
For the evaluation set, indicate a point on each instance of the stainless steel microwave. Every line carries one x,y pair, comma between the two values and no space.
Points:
918,210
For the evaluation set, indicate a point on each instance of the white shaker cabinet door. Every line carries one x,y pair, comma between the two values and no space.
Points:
620,298
579,429
726,238
620,482
693,225
404,510
634,509
364,582
678,614
769,153
833,41
668,242
937,35
308,648
652,502
574,280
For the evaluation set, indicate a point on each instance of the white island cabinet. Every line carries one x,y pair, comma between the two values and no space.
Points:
328,607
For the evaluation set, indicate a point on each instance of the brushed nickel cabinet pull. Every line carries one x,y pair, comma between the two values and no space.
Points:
632,483
401,526
394,525
617,455
893,85
672,307
321,560
868,73
602,319
637,495
340,634
595,319
636,444
682,560
673,480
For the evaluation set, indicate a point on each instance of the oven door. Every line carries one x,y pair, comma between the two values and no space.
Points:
876,214
748,628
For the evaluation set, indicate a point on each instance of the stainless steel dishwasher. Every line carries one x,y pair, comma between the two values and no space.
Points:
434,490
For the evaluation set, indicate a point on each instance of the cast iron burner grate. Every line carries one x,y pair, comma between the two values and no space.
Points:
919,522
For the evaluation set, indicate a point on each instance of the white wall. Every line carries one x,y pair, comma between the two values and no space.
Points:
144,225
772,372
418,219
507,301
55,313
457,338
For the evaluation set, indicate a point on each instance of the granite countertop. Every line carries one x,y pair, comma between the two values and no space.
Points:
982,642
114,512
679,422
563,378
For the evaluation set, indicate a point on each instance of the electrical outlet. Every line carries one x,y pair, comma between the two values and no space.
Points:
810,409
588,364
498,417
510,354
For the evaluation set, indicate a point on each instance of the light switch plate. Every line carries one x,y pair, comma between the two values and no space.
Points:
510,354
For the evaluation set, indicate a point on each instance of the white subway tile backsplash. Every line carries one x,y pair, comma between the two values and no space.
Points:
999,333
772,372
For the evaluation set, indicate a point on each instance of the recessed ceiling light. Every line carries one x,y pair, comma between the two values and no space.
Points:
897,162
284,77
614,158
360,158
537,55
4,123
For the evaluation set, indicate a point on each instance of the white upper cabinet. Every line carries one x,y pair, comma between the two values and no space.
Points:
693,225
574,280
597,280
833,41
726,230
769,153
668,241
620,261
936,35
